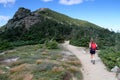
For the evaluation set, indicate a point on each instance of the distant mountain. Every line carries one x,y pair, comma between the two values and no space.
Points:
46,24
24,17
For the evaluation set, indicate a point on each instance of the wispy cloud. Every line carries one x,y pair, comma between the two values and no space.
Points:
70,2
6,2
47,0
4,18
89,0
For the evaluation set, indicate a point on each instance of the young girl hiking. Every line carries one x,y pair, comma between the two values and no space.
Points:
92,46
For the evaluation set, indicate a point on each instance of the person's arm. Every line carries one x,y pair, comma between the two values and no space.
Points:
96,46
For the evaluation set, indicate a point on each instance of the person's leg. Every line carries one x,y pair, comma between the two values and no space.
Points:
91,55
92,52
93,58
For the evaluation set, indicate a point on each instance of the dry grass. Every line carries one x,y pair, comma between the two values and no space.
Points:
57,69
28,76
73,69
71,58
41,79
18,62
18,68
74,62
39,61
19,76
21,72
44,53
65,65
52,61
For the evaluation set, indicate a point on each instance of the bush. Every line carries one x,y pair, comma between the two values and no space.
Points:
52,45
3,77
5,45
110,57
80,42
21,43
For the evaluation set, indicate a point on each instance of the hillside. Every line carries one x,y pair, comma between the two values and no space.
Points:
62,18
32,62
44,24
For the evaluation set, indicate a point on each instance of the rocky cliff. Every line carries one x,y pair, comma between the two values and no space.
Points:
24,18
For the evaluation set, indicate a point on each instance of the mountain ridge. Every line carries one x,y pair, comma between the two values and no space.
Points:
27,18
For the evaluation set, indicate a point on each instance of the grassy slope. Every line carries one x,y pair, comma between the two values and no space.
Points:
64,18
35,63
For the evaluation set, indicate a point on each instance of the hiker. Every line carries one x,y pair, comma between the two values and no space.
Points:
93,47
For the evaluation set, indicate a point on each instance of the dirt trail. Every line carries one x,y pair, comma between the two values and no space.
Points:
90,71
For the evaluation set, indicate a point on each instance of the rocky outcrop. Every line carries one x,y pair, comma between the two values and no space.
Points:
21,13
23,18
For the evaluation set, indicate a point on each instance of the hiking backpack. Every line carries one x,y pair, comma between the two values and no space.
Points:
93,46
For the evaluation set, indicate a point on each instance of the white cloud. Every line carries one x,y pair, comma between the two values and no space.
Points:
89,0
70,2
4,18
47,0
5,2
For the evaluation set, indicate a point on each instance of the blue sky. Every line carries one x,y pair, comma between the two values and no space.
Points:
105,13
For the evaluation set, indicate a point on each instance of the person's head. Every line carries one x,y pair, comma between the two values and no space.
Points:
92,41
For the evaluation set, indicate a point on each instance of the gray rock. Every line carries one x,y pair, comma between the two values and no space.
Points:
24,18
21,13
115,69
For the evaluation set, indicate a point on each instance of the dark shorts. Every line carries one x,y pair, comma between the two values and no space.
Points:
92,51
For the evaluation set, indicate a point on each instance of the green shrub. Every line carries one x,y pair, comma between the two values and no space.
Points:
3,77
79,42
5,45
52,45
21,43
110,57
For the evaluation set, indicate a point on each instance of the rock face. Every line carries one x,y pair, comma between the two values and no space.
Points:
21,13
24,18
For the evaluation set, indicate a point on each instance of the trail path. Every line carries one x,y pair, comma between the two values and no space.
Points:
90,71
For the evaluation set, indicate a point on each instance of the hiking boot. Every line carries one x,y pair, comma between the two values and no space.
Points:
93,61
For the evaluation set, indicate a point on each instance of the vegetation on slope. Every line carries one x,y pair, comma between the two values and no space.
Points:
111,55
63,18
36,63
